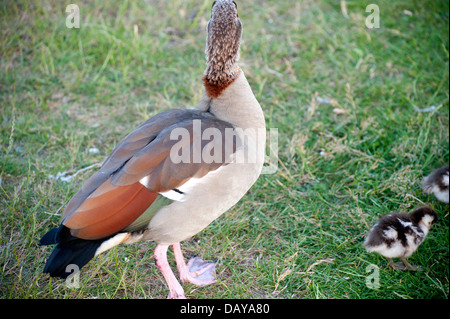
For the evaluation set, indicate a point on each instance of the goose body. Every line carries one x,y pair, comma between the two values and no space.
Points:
398,235
175,174
437,183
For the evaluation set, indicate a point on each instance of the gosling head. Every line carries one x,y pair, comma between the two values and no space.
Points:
424,216
437,183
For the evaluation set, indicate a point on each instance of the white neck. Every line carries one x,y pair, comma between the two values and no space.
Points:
424,224
236,104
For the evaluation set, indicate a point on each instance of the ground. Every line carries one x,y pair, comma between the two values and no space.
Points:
362,116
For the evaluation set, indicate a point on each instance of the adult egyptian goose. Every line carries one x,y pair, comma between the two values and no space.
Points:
398,235
437,183
175,174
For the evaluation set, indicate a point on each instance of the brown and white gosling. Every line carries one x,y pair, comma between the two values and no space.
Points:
398,235
437,183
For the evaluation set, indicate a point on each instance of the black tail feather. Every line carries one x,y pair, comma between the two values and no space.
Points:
69,251
50,238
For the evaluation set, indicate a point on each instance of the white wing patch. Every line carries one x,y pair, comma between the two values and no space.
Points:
404,224
174,195
184,190
145,181
445,179
390,233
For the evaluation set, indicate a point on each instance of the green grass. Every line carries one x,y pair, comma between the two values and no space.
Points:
297,233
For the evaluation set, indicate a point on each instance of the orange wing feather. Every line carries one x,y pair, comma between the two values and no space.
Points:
109,210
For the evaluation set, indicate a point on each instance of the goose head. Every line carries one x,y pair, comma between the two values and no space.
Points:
224,33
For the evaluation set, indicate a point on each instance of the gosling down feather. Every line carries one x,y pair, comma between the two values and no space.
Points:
175,174
437,183
398,235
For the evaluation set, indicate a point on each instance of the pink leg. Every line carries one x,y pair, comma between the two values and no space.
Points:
176,291
196,271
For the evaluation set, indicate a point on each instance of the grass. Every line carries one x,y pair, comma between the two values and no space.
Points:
297,233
